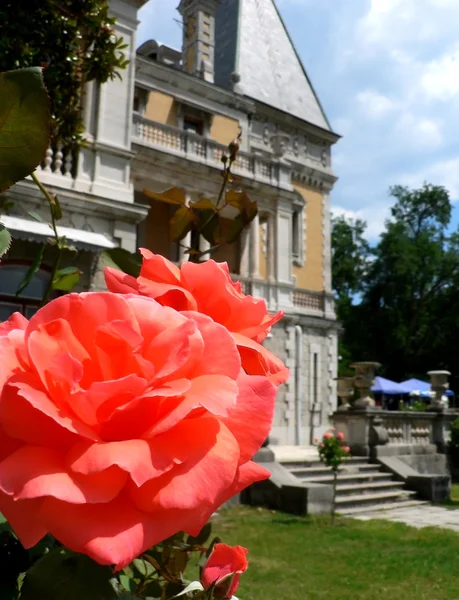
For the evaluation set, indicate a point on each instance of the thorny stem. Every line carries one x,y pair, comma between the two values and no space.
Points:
195,257
51,202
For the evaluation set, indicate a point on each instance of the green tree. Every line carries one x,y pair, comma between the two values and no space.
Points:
405,317
73,40
350,255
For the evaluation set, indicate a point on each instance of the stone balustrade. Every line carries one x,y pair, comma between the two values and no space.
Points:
58,167
379,433
197,148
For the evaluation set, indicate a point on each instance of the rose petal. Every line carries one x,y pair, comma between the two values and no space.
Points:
85,313
213,360
111,533
15,321
120,283
257,360
34,472
200,480
138,416
250,419
26,413
141,460
215,393
24,518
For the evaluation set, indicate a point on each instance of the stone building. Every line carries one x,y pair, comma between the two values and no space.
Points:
166,124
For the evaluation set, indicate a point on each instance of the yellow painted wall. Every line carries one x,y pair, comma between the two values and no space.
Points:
223,129
161,108
310,276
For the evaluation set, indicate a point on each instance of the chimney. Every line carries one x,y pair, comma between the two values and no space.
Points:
199,37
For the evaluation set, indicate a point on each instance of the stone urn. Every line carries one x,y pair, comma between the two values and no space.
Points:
345,390
363,380
439,384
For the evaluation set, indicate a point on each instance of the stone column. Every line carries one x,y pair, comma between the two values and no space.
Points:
363,380
255,247
185,244
271,263
439,385
244,253
204,246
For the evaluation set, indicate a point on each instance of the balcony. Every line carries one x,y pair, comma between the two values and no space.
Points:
199,149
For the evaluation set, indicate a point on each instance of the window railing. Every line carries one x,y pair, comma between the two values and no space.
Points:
197,148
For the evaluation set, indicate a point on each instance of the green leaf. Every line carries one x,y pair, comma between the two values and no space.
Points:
65,575
143,567
209,226
24,124
152,590
31,270
128,583
237,227
194,586
14,560
66,279
123,260
204,204
5,240
202,536
181,223
172,196
36,216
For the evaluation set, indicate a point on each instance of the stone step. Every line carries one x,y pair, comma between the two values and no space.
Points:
349,478
367,488
317,463
366,500
312,472
380,508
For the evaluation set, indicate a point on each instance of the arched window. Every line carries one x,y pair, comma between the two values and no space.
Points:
28,302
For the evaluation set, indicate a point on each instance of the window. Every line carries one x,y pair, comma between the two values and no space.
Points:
11,276
140,100
298,237
193,125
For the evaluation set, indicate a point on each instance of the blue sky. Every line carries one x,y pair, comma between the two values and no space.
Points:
387,74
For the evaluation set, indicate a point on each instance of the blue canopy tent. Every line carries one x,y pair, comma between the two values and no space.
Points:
423,387
387,393
388,387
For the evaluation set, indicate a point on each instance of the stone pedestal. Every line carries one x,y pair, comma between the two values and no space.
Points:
345,391
439,385
363,380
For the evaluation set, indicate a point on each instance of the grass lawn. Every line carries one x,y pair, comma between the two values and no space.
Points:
309,559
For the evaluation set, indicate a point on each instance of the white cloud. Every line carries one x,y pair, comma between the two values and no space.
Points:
418,133
374,216
445,172
375,104
440,80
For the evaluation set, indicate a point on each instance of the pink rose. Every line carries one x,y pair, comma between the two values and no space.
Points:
223,569
208,288
340,436
327,435
346,449
123,422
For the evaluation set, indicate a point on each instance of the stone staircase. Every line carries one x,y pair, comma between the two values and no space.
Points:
361,488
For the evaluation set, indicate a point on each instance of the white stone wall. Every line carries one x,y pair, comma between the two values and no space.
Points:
315,416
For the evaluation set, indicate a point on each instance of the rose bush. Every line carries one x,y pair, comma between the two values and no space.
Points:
207,288
223,569
123,422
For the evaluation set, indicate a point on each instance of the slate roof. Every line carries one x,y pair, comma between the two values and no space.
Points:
252,40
